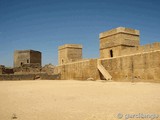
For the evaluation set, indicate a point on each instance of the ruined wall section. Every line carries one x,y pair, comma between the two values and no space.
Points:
28,68
2,67
5,70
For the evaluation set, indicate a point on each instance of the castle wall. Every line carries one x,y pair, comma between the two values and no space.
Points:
137,67
78,70
142,67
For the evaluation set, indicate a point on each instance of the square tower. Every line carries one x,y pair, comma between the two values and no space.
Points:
69,53
115,40
22,57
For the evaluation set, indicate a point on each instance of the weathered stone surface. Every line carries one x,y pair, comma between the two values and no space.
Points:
28,68
5,70
122,55
41,76
69,53
116,40
138,67
78,70
26,57
18,77
49,69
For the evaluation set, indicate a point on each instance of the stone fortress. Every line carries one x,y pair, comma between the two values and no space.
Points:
121,59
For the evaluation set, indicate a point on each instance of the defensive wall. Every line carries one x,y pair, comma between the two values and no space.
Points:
80,70
144,66
121,59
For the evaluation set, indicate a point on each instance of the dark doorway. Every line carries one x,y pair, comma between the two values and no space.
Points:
111,53
27,61
21,63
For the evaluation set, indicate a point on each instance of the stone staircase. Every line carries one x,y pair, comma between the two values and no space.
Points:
104,72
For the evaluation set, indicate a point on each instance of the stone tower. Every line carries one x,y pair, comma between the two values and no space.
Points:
114,41
69,53
22,57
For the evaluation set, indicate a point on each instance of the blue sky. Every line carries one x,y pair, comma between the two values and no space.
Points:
46,24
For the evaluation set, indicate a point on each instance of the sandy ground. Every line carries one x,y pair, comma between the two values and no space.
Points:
77,100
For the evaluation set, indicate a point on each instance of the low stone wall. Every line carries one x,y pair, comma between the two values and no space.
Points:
18,77
50,77
30,68
30,77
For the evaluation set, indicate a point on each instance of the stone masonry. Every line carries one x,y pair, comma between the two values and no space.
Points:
121,58
69,53
112,42
22,57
